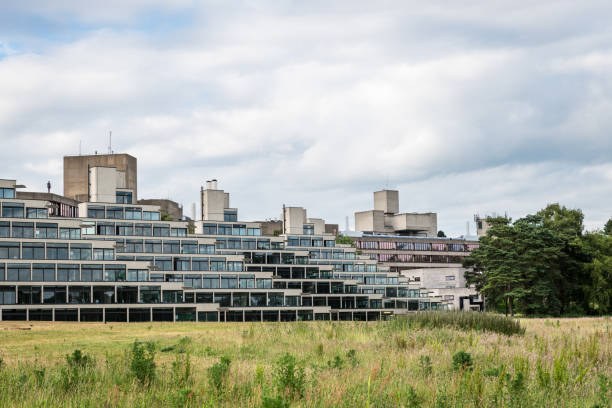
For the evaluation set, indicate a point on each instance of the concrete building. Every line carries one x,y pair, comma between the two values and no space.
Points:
385,218
119,261
96,178
171,209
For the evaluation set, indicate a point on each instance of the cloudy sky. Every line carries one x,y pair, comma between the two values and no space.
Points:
487,106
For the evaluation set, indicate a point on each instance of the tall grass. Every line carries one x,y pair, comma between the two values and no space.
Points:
316,364
459,320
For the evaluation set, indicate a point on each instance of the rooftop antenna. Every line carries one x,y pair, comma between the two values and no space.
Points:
49,186
79,147
110,140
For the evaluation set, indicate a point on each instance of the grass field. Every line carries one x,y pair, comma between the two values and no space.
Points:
556,363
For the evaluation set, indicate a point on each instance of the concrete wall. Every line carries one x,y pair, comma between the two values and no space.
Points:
371,221
426,223
436,278
319,225
387,201
294,219
4,183
213,204
76,177
103,185
169,207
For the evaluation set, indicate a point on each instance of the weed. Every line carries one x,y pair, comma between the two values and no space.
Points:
351,356
274,402
425,365
142,362
462,361
290,378
459,320
181,369
217,373
78,359
337,362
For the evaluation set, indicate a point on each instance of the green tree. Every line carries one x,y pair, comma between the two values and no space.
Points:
516,265
608,227
598,285
568,224
441,234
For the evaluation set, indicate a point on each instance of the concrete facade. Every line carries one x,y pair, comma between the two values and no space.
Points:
76,173
168,207
386,218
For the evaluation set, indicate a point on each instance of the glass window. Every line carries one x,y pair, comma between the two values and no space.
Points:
225,229
178,232
57,251
94,211
207,249
217,265
32,250
151,216
209,229
114,273
46,230
133,246
79,294
103,294
91,273
150,294
36,213
124,197
153,246
23,230
143,230
7,193
125,229
137,275
9,250
106,228
103,254
29,295
172,247
133,213
115,213
67,272
70,233
43,272
189,247
308,229
161,230
210,281
12,210
229,282
254,231
5,229
18,272
199,264
230,216
54,294
7,295
164,263
80,251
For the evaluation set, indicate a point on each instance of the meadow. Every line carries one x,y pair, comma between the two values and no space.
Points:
426,362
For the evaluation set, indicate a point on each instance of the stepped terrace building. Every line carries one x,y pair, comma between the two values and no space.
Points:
120,261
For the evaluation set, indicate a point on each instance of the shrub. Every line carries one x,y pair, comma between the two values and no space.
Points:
78,359
290,378
462,360
274,402
142,361
217,373
425,365
459,320
181,369
337,362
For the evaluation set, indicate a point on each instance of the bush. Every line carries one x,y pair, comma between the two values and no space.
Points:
142,361
274,402
290,379
217,373
462,361
458,320
78,359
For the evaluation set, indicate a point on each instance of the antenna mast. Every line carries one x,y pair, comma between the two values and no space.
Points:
110,140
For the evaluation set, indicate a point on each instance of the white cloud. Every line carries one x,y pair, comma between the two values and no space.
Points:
493,106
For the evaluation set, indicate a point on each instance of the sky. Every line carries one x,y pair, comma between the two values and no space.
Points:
464,107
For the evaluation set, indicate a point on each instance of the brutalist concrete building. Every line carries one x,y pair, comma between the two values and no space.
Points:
103,256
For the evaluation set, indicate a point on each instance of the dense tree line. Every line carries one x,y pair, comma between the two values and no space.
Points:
544,264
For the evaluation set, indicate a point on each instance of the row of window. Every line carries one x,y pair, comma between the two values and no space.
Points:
43,230
309,242
18,210
329,254
129,229
7,192
225,229
69,273
416,258
166,247
54,251
415,246
121,213
247,243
